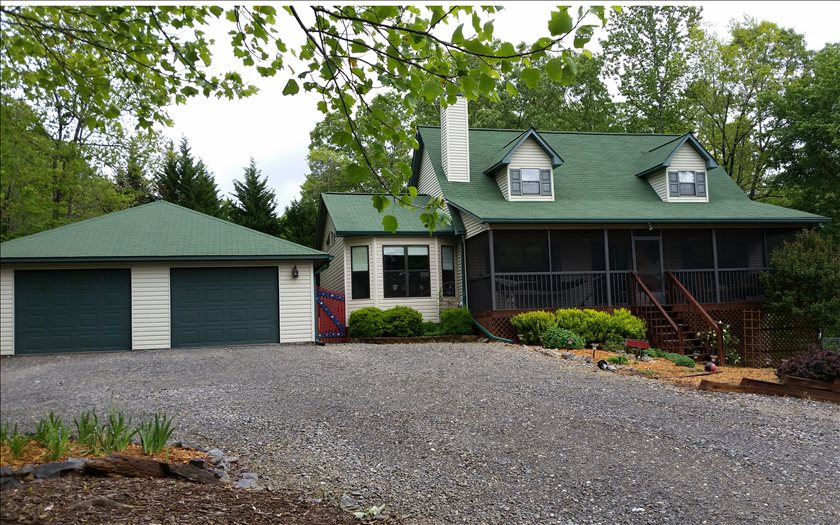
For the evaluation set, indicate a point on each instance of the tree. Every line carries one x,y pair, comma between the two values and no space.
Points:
255,206
646,52
298,222
131,177
185,181
807,124
735,92
349,52
805,281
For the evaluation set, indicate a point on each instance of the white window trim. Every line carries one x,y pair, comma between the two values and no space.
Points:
685,198
529,197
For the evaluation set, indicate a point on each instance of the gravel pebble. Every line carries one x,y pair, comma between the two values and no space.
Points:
466,433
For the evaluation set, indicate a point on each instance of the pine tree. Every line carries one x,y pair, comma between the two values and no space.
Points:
185,181
255,204
130,178
298,222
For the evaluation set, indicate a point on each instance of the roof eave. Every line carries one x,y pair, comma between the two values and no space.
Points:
162,258
660,220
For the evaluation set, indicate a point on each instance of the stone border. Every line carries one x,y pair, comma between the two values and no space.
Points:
420,339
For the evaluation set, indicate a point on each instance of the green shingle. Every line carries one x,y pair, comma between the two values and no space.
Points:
597,184
354,214
154,231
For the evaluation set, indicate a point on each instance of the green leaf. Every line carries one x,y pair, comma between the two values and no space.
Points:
531,77
412,191
554,69
380,202
561,22
291,87
431,89
356,174
511,89
390,223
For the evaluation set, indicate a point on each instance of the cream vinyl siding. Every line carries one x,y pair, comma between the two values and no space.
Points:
428,306
297,302
529,154
684,159
502,179
472,224
7,311
333,277
454,141
428,183
150,308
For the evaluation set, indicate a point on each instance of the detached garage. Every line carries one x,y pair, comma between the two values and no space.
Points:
154,276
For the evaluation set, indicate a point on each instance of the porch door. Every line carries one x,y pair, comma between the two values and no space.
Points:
648,264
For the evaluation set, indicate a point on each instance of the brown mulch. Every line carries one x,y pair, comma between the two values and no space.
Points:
664,369
34,453
89,500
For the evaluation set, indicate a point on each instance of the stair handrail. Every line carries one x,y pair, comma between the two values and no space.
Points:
661,310
699,310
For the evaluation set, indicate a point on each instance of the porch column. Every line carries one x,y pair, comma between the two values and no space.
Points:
607,267
715,256
492,270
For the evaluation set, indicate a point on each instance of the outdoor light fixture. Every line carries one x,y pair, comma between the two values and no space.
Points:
295,272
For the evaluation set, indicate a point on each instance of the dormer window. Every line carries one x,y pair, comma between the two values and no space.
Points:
687,183
530,181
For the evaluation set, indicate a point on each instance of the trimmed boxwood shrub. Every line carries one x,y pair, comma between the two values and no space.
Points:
456,321
428,328
402,321
618,359
366,322
819,365
531,325
596,326
556,337
624,324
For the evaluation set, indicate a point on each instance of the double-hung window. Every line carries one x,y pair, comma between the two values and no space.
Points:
406,271
360,272
447,265
687,183
530,181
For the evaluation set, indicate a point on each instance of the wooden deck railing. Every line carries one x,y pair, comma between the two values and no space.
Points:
679,294
664,332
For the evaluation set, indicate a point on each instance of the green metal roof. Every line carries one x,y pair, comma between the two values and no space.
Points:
353,214
597,183
154,231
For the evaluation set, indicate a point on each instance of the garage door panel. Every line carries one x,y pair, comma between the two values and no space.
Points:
72,310
218,306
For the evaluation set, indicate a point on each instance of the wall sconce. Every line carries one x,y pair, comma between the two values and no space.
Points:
295,272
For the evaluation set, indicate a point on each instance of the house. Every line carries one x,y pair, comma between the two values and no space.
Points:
154,276
544,220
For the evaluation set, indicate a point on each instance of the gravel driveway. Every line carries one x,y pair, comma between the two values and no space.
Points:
472,433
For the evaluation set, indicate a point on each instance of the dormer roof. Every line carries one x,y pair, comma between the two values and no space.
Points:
659,157
505,153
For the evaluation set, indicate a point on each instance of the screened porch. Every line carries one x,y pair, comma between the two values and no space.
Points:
510,269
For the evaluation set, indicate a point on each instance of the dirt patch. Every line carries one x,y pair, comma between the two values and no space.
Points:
75,499
663,369
34,453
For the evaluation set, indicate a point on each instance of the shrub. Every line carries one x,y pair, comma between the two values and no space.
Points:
819,365
683,360
626,325
614,343
401,321
456,321
429,328
531,325
154,434
366,322
556,337
618,359
595,326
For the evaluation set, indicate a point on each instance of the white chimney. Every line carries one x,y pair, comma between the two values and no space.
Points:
454,141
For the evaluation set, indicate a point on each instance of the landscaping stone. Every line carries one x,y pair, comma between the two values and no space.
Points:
347,502
188,472
247,483
199,463
216,456
59,468
25,472
8,479
249,475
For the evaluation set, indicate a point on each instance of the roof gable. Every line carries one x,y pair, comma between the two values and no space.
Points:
156,231
660,157
353,214
505,153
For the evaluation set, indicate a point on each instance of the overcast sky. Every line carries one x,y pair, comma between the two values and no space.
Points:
274,129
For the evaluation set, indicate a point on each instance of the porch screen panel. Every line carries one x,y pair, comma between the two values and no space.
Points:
577,251
777,238
688,249
519,251
478,273
621,262
740,248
